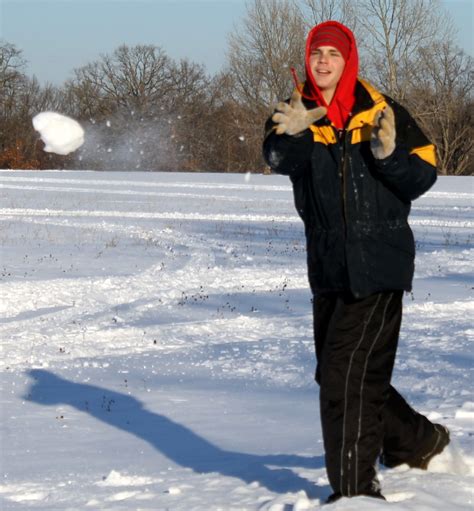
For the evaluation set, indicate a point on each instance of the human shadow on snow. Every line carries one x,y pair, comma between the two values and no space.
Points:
175,441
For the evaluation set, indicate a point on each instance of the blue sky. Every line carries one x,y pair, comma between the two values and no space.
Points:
58,35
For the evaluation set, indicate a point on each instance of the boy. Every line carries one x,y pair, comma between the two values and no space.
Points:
356,160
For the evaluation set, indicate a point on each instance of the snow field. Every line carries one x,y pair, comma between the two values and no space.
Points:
157,345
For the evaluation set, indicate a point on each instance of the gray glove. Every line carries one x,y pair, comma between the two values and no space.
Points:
382,139
293,118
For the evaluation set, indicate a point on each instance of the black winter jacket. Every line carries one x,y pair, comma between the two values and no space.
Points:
355,208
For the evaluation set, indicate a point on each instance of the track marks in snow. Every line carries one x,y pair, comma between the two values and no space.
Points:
444,196
24,493
127,306
165,183
442,223
170,181
10,213
137,193
399,497
440,310
117,479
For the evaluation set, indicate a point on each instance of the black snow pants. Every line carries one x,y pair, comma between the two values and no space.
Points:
362,415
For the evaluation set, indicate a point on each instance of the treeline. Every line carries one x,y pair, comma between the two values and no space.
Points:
143,110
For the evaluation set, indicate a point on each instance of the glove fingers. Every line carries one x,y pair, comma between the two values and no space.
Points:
384,117
387,123
388,115
295,100
385,126
317,113
293,118
374,136
377,117
279,118
375,141
382,139
283,107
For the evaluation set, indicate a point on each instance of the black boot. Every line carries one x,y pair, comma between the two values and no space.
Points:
336,496
429,449
333,498
436,446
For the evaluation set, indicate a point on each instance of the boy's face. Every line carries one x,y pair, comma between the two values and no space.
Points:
327,66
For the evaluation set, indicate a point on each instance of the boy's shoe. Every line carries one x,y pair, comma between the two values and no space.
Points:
336,496
435,445
333,498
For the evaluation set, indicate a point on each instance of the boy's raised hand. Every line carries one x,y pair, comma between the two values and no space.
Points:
293,118
382,140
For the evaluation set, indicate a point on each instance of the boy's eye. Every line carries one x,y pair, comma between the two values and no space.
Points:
333,53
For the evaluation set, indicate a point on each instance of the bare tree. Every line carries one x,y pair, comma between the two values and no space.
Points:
12,66
17,97
187,80
143,109
391,34
344,11
261,52
131,77
269,41
441,96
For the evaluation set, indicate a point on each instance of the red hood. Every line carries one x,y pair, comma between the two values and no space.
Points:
343,101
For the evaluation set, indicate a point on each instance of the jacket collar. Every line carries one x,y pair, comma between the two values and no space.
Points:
366,96
368,100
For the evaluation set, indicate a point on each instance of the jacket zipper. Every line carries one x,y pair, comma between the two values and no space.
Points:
342,141
343,137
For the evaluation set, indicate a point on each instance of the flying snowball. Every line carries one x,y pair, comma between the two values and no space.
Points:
60,134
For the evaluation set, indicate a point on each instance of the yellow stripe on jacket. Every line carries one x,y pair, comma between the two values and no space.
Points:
426,153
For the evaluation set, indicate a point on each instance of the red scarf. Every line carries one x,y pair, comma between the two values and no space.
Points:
343,100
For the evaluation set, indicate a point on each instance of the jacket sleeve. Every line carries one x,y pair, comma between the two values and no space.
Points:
410,170
286,154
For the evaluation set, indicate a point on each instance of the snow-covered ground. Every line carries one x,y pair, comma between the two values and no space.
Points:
157,346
